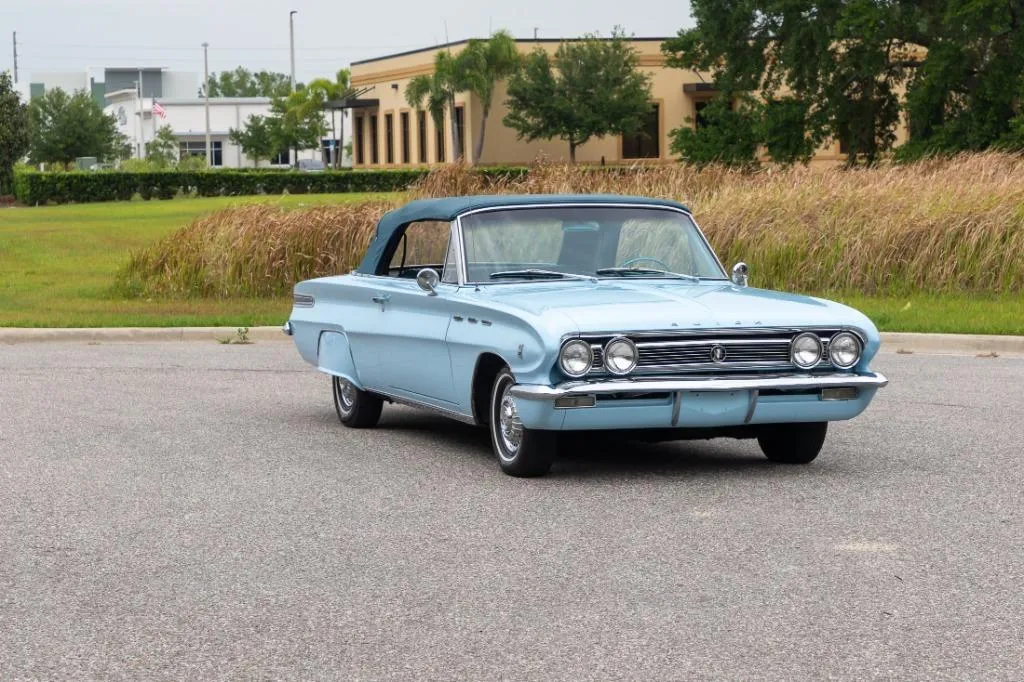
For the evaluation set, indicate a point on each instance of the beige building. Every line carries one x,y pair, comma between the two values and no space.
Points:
388,133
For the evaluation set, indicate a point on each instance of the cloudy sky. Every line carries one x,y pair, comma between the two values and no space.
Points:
71,35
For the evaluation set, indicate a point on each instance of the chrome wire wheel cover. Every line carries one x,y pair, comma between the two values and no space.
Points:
510,427
346,395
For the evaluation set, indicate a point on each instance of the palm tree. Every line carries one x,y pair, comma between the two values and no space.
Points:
480,66
438,90
326,90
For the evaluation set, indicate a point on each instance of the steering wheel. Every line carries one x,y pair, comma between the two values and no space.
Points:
629,262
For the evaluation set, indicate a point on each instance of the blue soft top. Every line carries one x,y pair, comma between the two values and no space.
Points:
390,227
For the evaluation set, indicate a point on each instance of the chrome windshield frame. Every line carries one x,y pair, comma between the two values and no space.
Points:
464,267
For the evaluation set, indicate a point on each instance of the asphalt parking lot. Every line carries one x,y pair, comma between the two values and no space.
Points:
194,510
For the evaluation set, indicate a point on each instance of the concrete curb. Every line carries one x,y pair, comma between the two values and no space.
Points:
12,335
950,344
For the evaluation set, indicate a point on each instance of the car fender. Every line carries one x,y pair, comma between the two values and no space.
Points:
334,357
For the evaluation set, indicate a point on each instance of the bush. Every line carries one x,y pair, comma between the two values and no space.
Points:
34,188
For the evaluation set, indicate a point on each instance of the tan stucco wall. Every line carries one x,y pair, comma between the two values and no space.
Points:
388,78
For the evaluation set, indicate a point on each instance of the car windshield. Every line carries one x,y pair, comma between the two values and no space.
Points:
555,242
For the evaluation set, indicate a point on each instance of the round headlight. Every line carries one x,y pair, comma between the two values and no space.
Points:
844,350
620,356
576,358
806,350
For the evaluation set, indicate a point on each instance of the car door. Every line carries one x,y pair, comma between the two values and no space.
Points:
403,344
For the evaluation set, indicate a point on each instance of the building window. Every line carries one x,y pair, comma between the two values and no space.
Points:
439,141
421,135
283,158
646,143
189,148
374,153
389,138
404,123
460,125
357,142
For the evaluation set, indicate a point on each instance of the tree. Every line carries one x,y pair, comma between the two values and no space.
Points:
162,150
592,88
297,121
326,90
64,127
726,135
256,138
244,83
14,132
438,90
480,66
844,63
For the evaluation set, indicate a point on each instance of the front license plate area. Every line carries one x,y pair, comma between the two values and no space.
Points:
712,408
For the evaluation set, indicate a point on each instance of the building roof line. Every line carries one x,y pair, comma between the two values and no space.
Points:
454,43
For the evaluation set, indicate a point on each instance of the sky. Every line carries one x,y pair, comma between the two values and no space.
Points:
73,35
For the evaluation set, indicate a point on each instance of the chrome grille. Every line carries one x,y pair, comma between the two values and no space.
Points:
695,353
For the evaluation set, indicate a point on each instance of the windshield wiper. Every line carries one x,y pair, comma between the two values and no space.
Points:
537,274
646,271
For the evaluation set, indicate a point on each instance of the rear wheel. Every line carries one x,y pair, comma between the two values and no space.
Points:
356,408
792,443
521,451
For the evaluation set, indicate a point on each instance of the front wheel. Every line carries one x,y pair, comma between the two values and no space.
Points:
792,443
356,408
521,451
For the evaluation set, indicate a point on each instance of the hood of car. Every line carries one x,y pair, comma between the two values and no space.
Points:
613,306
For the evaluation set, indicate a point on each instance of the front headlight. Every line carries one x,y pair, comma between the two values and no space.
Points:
806,350
620,356
576,357
844,350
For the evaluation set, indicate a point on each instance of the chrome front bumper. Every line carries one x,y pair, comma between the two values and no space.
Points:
778,382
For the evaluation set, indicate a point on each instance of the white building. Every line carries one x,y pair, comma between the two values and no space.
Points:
128,94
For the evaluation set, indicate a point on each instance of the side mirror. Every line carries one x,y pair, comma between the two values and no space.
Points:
427,279
739,274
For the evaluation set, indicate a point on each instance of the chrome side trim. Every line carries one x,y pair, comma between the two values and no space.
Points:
409,402
780,382
303,300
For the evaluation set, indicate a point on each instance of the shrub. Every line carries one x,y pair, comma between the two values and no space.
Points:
80,187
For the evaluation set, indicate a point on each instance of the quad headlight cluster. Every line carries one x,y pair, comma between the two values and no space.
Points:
844,350
576,357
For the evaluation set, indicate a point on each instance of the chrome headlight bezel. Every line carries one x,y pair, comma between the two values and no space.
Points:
858,345
589,355
793,350
606,354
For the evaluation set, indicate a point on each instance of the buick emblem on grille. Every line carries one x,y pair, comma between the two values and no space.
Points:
718,354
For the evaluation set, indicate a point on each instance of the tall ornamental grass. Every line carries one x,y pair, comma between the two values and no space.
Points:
940,226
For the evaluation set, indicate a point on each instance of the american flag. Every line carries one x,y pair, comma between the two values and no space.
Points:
158,110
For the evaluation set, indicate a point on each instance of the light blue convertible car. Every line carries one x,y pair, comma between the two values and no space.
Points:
540,315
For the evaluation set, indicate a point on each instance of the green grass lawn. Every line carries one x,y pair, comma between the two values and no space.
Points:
57,264
958,314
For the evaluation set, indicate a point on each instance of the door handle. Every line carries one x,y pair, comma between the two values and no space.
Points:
382,298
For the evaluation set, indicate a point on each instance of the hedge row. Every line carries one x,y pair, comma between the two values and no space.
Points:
33,188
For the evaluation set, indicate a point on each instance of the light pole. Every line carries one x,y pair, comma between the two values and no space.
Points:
291,34
206,97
